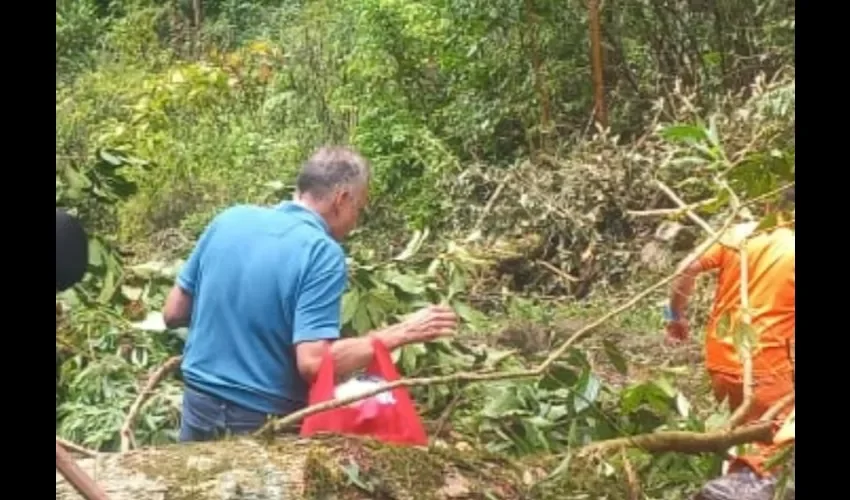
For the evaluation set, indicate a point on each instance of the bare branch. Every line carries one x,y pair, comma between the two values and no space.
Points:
71,446
127,439
659,212
687,442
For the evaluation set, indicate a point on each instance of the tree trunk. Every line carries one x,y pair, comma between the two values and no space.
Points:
303,469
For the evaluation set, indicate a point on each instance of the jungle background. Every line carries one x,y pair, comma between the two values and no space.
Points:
501,185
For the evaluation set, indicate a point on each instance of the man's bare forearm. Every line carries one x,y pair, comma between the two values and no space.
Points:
683,287
354,354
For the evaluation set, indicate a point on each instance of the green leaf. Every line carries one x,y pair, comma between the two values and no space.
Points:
559,376
768,222
108,287
96,252
562,467
715,421
723,328
745,336
153,322
535,436
360,321
350,303
502,402
684,133
413,246
666,387
616,357
384,298
557,412
406,283
779,458
131,292
713,136
468,315
376,313
587,392
683,406
110,158
457,280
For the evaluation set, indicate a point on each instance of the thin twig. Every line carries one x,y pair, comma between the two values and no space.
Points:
670,211
685,208
632,481
566,277
71,446
745,350
661,212
777,408
492,201
127,439
447,413
769,194
297,416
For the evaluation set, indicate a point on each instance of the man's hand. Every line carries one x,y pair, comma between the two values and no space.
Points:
677,331
425,325
430,323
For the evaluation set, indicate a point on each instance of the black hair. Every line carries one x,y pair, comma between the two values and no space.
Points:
72,251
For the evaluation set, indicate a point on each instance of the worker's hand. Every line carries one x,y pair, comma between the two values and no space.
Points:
677,331
430,323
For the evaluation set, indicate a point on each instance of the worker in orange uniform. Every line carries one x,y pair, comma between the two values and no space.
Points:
770,266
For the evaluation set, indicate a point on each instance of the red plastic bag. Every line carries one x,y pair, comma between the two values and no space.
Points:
389,416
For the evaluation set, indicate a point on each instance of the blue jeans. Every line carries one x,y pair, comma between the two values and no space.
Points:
206,418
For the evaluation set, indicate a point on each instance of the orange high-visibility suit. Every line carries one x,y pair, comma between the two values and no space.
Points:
770,266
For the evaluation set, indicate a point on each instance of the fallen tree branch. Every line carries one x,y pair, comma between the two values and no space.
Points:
697,442
687,442
71,446
541,369
128,442
77,477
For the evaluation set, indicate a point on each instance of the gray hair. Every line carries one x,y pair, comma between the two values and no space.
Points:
331,168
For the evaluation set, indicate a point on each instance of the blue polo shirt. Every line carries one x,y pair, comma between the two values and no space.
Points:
262,280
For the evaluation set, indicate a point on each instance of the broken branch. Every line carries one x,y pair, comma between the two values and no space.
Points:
71,446
687,442
127,439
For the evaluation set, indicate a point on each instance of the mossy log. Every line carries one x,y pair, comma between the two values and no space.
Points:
291,468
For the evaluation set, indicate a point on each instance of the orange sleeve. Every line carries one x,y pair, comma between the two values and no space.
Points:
713,257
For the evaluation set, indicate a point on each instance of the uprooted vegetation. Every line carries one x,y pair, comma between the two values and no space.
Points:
491,192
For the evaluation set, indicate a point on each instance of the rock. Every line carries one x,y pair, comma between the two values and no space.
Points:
656,257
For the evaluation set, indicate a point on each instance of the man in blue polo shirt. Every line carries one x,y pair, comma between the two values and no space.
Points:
261,294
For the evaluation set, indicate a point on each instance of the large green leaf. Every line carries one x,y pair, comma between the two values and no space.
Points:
616,357
350,303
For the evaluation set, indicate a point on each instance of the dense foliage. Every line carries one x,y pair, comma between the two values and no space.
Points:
493,189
